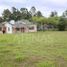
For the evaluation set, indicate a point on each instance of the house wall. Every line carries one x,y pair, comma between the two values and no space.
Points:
27,29
12,29
21,30
8,28
34,29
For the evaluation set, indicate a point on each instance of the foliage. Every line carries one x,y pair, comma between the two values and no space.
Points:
39,20
33,11
62,24
53,20
16,14
35,16
6,14
39,14
64,14
53,14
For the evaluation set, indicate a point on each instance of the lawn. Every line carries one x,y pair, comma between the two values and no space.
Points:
40,49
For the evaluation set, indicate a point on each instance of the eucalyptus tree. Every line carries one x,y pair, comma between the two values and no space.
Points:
53,14
6,14
33,11
39,14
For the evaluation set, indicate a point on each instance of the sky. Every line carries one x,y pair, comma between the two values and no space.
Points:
45,6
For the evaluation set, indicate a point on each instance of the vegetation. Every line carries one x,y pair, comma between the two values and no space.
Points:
62,24
41,49
36,16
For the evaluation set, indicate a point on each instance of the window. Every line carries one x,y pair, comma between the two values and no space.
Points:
8,28
17,29
31,28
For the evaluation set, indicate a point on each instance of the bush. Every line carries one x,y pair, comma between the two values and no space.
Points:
62,24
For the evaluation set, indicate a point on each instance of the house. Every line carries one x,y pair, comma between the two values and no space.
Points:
18,26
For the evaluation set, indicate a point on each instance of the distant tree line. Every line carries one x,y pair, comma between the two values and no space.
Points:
53,22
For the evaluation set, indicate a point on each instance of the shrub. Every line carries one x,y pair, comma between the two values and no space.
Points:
62,24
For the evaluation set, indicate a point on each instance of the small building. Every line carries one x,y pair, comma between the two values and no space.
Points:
18,26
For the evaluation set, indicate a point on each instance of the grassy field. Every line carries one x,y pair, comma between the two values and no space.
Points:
41,49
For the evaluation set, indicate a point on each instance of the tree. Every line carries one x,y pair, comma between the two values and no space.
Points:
6,15
53,20
24,10
53,14
33,11
16,15
39,14
64,14
62,24
40,21
25,14
14,9
28,16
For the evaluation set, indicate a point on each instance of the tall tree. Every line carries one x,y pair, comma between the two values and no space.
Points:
16,15
24,13
14,9
53,14
39,14
64,14
24,10
33,11
62,24
6,15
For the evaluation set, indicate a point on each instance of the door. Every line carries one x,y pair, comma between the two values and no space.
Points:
4,30
22,29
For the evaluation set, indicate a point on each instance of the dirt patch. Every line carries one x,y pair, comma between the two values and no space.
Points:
31,61
60,62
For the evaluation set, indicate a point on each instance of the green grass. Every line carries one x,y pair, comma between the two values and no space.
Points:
41,49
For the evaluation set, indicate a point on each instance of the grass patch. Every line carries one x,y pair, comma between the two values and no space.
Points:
41,49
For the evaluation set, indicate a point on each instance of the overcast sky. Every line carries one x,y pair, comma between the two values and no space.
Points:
45,6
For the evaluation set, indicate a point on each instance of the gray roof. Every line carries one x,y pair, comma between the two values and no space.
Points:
22,23
19,24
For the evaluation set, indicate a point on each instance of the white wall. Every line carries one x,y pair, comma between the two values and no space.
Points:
33,30
8,28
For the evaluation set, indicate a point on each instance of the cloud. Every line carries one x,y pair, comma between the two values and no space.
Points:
2,7
13,1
